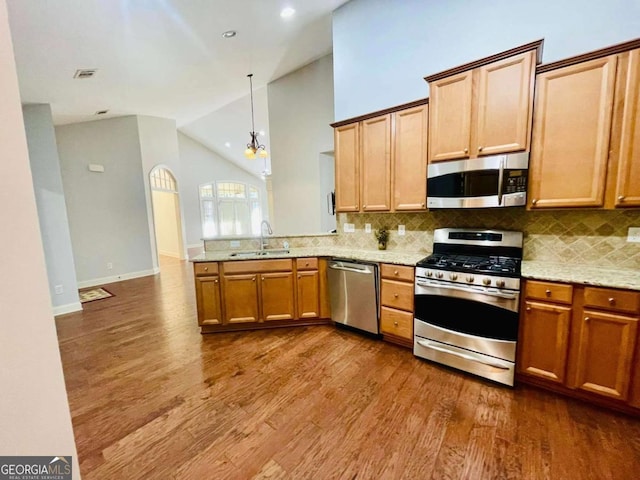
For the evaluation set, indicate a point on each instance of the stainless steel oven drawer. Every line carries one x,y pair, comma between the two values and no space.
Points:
501,371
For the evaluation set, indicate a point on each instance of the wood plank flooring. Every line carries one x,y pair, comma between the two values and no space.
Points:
152,398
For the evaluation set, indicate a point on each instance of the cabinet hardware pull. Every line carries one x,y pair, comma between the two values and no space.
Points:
466,150
422,205
215,281
534,201
479,149
621,198
395,323
395,295
395,272
262,278
299,276
547,292
586,319
528,309
206,269
612,301
306,264
253,279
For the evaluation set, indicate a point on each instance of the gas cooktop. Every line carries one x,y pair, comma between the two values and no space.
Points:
492,264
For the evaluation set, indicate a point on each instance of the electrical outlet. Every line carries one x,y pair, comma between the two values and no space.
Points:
401,230
367,228
59,289
109,265
234,243
633,235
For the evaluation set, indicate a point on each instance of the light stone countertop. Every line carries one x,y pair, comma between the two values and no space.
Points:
577,274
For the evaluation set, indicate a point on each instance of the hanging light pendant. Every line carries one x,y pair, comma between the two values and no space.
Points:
254,145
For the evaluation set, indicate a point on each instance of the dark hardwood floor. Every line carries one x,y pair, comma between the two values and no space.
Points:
152,398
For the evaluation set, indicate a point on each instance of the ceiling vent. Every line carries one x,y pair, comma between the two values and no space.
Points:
101,112
85,73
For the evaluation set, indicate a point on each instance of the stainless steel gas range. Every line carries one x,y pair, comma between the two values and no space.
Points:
467,298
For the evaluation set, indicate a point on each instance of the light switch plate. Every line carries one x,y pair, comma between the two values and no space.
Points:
401,230
367,228
348,227
633,235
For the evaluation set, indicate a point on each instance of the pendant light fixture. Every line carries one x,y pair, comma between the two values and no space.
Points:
254,145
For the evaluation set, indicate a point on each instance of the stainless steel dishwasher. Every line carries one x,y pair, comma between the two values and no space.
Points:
353,290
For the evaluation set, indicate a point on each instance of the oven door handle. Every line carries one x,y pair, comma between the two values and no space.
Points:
438,348
508,296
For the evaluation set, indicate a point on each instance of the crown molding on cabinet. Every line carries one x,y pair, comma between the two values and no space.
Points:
415,103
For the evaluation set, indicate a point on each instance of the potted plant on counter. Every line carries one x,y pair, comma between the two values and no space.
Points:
382,235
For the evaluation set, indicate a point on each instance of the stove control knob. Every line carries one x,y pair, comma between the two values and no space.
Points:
429,273
500,283
486,281
439,274
453,276
469,278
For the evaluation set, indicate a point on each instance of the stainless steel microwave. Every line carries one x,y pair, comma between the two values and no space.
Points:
495,181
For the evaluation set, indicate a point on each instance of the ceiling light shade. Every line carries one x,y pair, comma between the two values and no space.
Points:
287,12
254,145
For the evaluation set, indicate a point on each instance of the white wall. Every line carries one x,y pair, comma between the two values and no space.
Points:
108,216
382,50
158,146
34,406
300,113
52,210
199,165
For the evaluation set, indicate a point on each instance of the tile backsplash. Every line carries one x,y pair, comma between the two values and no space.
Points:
563,236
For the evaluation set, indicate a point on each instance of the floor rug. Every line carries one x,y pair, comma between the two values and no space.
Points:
94,294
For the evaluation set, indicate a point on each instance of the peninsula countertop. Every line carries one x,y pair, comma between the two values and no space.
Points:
556,272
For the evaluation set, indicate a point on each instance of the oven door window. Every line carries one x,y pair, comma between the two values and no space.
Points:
467,316
475,183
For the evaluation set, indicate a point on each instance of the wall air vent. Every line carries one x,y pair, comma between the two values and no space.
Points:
101,112
85,73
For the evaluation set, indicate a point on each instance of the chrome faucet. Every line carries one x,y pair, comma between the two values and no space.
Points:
264,244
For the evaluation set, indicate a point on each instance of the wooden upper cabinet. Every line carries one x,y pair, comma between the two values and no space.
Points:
376,164
450,117
505,102
409,159
571,131
627,192
347,167
484,107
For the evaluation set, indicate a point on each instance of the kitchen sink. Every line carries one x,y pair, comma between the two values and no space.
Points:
260,253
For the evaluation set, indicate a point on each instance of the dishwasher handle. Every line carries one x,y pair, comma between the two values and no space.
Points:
351,267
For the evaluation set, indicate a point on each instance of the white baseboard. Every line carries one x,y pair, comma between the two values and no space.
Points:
118,278
68,308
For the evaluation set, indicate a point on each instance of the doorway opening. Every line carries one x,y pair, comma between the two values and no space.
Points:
167,220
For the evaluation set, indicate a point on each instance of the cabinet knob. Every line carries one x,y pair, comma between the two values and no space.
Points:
215,281
262,278
586,319
395,295
395,272
306,264
299,276
466,150
395,323
364,206
612,301
422,205
528,309
534,201
253,279
206,269
479,149
547,292
621,198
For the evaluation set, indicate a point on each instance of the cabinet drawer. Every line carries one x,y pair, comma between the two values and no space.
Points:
553,292
257,266
396,272
307,263
397,294
610,299
205,268
396,322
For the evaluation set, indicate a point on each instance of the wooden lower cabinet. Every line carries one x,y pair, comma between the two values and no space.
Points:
581,341
396,300
250,294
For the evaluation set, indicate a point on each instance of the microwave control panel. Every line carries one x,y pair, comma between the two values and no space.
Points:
515,181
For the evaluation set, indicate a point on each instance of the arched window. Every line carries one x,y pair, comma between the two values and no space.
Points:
163,179
230,209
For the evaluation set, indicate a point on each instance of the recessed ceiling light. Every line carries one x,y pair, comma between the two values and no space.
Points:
229,34
227,144
287,12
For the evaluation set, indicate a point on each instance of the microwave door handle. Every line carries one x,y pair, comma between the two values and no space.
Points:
500,180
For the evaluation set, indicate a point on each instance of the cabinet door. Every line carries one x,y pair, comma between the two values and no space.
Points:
277,296
505,101
347,165
308,289
409,159
571,131
628,181
375,164
240,298
450,117
544,341
208,300
396,322
606,344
